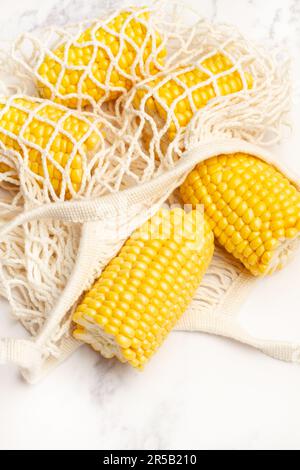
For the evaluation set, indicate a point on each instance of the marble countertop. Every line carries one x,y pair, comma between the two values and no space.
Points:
200,391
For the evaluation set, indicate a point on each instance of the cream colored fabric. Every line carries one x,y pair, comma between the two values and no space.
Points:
50,252
31,49
221,292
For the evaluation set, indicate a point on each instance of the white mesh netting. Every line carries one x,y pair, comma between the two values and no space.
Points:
92,62
166,84
230,88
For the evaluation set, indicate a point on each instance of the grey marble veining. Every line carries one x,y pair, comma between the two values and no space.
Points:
276,18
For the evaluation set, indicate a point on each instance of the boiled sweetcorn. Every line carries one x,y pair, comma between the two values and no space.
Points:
188,91
143,292
104,63
252,208
33,127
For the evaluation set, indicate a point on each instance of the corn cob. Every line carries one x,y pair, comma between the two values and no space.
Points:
162,100
84,67
252,208
144,290
29,123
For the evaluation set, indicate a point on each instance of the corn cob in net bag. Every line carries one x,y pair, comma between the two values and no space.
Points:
144,291
200,90
55,144
253,209
222,86
190,89
97,61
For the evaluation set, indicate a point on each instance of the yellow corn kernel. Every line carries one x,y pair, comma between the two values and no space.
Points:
29,136
170,255
265,223
124,35
161,101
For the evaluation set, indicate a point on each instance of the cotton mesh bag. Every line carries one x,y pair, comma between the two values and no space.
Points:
91,63
73,195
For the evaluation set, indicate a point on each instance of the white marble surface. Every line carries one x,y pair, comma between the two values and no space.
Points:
200,391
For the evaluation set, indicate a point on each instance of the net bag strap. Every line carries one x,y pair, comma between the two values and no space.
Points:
89,212
112,204
24,353
228,326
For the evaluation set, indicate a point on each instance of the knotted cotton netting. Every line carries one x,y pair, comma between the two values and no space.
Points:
131,92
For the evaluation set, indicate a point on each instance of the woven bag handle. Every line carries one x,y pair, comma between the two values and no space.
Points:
24,354
229,327
112,204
